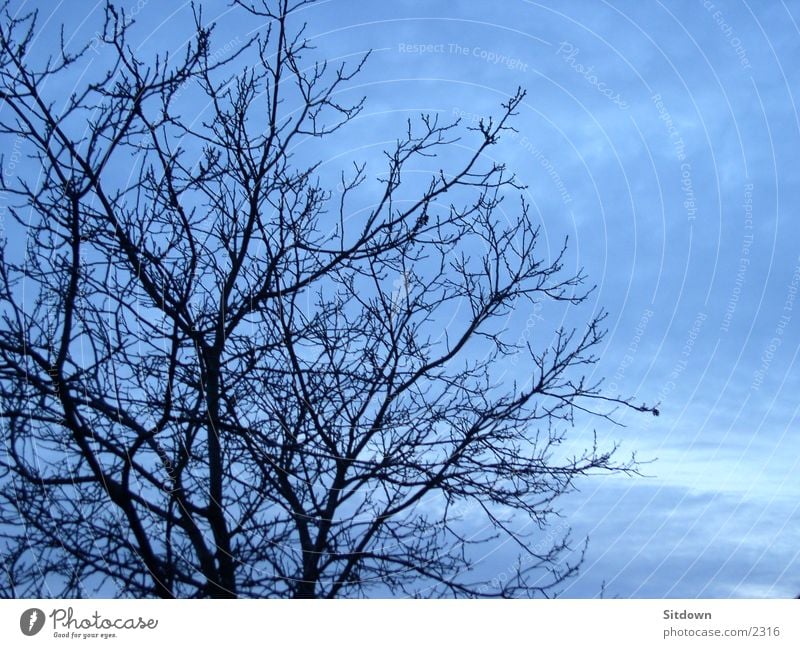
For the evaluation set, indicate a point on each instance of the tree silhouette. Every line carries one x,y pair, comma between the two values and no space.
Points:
217,381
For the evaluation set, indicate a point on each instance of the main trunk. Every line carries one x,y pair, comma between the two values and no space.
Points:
225,585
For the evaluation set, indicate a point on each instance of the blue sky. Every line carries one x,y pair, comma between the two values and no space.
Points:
662,137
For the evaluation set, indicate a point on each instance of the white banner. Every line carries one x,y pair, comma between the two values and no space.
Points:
378,623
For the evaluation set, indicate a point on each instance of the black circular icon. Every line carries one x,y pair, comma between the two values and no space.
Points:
31,621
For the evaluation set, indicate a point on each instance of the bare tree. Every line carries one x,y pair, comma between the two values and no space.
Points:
217,382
